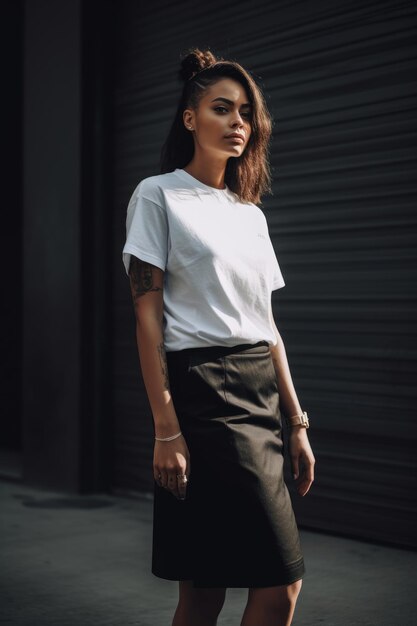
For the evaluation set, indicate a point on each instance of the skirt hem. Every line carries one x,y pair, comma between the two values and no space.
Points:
294,572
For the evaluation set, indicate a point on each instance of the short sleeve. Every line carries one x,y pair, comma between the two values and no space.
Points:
146,231
277,278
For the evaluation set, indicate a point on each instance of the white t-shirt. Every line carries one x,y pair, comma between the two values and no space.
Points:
219,263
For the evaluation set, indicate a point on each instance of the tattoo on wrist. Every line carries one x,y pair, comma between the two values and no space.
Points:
164,364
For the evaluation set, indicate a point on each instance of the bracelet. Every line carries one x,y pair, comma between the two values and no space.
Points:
168,438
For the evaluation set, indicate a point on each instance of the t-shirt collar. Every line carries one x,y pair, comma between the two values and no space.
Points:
197,183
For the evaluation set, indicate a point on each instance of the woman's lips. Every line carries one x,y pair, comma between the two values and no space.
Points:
238,139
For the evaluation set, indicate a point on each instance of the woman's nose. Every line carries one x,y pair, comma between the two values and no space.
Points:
238,120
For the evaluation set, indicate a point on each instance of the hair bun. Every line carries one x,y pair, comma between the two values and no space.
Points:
195,61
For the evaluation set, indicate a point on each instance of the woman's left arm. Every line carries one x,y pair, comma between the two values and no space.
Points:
301,454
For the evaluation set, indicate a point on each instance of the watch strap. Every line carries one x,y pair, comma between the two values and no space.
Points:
300,419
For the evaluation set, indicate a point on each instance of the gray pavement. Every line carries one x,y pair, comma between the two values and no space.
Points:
83,560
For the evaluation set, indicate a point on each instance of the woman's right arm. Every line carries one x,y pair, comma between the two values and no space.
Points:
170,457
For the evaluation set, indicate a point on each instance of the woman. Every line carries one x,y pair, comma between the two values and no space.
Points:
202,268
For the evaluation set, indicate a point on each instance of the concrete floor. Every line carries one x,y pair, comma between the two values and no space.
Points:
83,560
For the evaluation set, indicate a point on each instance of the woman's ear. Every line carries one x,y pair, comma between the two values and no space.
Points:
187,117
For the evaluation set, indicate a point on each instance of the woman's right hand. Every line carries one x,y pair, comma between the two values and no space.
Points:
172,458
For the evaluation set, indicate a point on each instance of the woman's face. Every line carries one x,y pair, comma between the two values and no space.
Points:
224,109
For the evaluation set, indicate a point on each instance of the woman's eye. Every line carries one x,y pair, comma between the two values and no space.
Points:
246,114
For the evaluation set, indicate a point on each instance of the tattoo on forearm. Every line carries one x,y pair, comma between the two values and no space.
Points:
141,278
164,364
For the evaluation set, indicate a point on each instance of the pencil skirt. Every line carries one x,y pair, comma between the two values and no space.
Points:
236,526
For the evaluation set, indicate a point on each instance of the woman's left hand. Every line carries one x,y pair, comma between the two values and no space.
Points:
302,459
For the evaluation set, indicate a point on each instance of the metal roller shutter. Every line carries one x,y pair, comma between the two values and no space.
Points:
339,81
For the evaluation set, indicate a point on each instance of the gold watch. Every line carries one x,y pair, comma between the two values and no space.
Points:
297,420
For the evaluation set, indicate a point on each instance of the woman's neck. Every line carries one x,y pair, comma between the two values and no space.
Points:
211,174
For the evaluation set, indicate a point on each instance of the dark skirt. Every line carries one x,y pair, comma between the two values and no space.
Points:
236,526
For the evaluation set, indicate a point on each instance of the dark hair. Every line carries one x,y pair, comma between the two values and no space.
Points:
248,175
